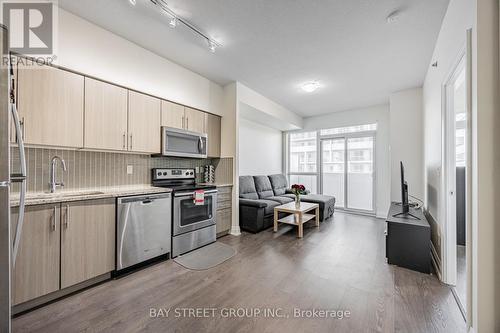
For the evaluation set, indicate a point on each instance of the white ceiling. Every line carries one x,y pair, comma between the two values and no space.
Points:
272,46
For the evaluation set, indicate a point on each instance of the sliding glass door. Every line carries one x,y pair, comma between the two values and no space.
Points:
333,169
347,171
360,173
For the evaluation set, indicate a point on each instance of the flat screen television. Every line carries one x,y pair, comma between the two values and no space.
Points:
404,191
405,204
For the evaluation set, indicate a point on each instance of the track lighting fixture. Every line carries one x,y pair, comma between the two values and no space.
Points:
176,20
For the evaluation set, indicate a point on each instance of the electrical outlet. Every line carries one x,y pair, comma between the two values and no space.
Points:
130,169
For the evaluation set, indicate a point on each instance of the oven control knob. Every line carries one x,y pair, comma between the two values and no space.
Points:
187,173
192,173
164,173
159,174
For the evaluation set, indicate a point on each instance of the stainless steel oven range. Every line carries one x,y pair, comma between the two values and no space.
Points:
193,223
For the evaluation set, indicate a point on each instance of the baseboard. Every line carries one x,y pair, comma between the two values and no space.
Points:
436,261
235,230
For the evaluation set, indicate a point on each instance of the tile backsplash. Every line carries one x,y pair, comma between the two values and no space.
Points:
94,170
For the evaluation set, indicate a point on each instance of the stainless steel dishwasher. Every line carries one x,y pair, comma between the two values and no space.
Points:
144,228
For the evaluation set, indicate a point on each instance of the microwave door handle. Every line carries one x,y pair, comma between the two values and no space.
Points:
200,144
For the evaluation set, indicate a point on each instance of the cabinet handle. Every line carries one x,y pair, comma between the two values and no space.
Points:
124,140
54,222
131,137
66,220
183,123
187,123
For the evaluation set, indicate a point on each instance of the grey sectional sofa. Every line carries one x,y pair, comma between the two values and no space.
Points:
260,194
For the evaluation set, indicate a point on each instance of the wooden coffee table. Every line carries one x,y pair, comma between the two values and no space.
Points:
298,215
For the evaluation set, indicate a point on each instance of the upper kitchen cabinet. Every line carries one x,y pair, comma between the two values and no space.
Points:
178,116
172,115
213,127
50,103
105,116
195,120
143,123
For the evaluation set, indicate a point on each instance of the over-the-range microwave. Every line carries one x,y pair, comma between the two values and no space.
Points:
182,143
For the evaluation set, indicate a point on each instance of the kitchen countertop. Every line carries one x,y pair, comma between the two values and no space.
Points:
40,198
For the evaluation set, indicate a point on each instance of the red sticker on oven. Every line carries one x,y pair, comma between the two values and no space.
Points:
199,197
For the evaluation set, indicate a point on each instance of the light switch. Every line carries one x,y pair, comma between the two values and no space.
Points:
130,169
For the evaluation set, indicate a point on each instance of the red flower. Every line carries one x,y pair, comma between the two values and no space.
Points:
298,188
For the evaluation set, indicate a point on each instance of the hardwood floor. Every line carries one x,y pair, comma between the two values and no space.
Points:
340,266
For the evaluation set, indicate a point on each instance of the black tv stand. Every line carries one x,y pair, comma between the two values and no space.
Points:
406,215
408,239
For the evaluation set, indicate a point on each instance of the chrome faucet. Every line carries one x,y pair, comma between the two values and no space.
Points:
53,184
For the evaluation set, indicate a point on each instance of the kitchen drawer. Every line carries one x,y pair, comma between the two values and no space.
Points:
224,217
223,197
224,190
223,204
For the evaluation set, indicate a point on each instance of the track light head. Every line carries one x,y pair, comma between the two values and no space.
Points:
212,46
173,22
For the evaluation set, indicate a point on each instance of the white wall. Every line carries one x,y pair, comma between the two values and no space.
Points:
265,105
406,141
450,43
91,50
260,149
485,173
375,114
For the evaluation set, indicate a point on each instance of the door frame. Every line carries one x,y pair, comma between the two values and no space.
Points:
346,137
448,244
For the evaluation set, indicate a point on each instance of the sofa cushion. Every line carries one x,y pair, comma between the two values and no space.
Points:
247,188
279,184
270,206
263,187
281,200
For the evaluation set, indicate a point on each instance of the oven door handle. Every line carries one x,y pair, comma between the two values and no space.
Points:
177,195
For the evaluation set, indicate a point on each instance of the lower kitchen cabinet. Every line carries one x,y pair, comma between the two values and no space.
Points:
87,240
224,210
36,272
62,245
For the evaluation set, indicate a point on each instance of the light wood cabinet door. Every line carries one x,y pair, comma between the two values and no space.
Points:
105,116
223,221
87,240
195,120
213,126
144,130
172,115
37,266
50,104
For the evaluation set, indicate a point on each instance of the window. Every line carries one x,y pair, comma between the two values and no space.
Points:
302,155
349,129
346,169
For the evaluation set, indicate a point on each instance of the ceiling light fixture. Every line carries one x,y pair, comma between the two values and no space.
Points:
133,2
310,86
176,19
